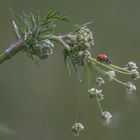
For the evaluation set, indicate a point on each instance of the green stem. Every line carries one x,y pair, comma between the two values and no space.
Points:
98,102
97,99
78,109
119,68
3,57
104,73
59,40
109,67
18,45
13,49
88,76
123,83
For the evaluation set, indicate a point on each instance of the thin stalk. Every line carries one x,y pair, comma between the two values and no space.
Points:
79,98
109,67
98,102
88,76
97,99
78,108
104,73
123,83
119,68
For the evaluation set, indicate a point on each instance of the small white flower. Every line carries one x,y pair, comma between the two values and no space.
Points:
111,74
95,92
84,54
131,65
86,36
106,117
43,49
76,128
72,37
100,82
100,95
130,87
135,75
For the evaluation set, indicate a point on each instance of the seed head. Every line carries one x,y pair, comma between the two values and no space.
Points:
81,39
111,74
95,92
80,57
106,117
100,82
135,75
130,87
86,36
44,49
131,65
76,128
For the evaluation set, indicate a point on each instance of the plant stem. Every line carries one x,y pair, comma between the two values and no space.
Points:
99,104
104,73
18,45
112,67
59,40
13,49
97,99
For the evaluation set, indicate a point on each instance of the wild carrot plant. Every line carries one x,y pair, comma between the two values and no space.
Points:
35,35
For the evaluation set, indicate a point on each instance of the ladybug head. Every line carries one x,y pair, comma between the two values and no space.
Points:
108,61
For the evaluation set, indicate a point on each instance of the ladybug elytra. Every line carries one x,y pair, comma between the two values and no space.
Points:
103,58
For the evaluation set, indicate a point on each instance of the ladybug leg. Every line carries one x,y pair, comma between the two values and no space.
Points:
99,59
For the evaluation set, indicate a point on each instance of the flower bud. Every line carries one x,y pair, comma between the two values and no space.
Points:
81,39
135,75
76,128
131,65
95,92
80,57
106,117
44,49
130,87
100,82
111,74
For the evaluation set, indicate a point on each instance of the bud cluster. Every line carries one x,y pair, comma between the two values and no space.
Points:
132,67
95,93
42,49
80,43
110,74
106,117
76,128
80,57
80,39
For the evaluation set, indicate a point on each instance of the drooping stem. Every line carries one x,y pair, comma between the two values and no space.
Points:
94,85
59,40
104,73
112,67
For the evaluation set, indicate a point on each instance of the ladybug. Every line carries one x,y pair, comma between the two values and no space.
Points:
103,58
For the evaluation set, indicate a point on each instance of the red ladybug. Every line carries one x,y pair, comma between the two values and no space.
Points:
103,58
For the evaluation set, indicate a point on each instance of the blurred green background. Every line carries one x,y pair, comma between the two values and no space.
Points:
40,103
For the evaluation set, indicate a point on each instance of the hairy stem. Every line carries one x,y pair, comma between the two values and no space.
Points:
18,45
59,40
13,49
